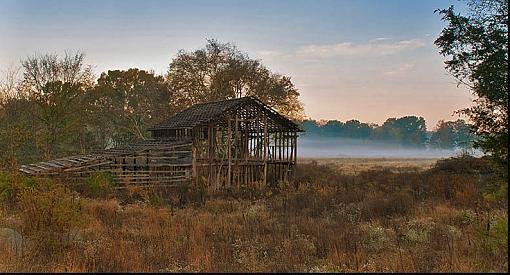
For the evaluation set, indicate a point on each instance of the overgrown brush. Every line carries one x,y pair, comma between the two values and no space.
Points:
99,184
49,219
322,221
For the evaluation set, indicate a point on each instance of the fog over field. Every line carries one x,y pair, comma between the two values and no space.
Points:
313,147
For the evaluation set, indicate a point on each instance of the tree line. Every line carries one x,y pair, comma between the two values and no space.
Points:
406,131
53,106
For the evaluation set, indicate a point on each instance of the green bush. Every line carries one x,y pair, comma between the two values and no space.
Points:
156,199
11,184
499,232
48,216
100,183
6,187
495,235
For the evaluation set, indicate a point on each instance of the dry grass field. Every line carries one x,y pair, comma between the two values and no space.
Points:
335,215
356,165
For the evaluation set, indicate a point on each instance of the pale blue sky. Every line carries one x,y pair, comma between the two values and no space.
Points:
361,59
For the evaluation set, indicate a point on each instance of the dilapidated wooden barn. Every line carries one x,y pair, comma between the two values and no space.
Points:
223,144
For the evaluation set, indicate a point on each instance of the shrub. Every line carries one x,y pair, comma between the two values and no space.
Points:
11,184
105,211
156,199
499,233
312,173
381,205
467,196
100,183
464,164
48,218
6,187
495,234
375,238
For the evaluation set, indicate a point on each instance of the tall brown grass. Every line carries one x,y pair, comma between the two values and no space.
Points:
323,220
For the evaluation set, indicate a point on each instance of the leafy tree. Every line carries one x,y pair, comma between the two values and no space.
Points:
16,135
311,128
443,136
464,137
126,103
408,130
38,70
452,134
59,110
15,122
333,128
220,71
55,87
355,129
477,49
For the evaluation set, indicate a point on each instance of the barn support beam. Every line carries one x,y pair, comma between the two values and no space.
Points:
266,147
229,151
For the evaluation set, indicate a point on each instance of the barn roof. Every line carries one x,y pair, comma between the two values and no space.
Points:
72,163
202,114
99,158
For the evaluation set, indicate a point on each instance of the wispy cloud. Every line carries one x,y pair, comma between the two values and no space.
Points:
398,71
375,47
267,53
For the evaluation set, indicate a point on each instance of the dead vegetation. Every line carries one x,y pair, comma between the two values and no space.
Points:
354,166
445,219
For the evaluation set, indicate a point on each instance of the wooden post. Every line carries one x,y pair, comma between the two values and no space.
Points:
209,153
247,143
295,152
194,161
265,151
237,142
229,152
295,147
